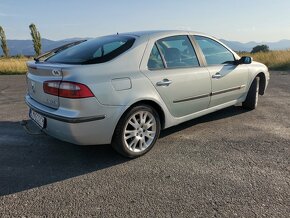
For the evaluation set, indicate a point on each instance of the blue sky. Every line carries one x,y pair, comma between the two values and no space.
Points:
241,20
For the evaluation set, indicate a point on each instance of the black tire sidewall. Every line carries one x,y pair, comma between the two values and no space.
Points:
118,139
250,102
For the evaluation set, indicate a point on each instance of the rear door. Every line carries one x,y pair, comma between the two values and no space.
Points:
174,70
37,74
228,79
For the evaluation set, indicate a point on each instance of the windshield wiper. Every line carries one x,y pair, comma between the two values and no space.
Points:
59,49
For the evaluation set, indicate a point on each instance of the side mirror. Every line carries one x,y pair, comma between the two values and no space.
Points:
245,60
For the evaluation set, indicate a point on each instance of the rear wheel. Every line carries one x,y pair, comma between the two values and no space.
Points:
137,131
251,101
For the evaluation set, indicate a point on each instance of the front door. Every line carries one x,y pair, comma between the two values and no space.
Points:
228,83
228,79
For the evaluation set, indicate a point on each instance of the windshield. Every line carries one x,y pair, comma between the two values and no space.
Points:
94,51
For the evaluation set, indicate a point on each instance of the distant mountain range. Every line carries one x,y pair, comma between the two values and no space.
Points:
25,47
238,46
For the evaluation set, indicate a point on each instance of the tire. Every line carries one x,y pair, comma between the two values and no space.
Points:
137,131
251,101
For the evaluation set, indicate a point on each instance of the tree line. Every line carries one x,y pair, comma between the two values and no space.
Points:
36,39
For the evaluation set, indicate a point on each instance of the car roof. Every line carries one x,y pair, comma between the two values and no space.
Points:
144,35
156,33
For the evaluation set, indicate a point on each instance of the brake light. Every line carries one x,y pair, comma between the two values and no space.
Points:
67,89
51,87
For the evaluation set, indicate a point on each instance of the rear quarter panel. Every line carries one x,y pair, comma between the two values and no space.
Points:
118,82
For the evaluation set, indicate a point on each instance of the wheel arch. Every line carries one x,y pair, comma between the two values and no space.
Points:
154,105
118,129
262,85
150,103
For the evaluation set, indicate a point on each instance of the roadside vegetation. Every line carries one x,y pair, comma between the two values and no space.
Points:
275,60
36,39
3,40
15,65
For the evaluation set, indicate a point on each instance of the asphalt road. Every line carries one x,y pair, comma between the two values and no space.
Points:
232,163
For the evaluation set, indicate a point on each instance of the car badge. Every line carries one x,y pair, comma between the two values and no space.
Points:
56,72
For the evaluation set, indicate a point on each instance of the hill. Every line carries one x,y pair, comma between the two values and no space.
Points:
247,47
25,47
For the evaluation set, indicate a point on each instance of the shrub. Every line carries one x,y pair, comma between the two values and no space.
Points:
260,48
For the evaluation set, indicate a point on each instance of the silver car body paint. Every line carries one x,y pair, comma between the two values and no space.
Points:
120,83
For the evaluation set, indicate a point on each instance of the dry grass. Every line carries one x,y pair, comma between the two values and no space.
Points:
13,65
275,60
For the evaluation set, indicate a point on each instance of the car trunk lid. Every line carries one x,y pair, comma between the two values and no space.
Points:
37,74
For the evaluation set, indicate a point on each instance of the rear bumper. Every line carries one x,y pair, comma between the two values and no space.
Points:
81,130
65,119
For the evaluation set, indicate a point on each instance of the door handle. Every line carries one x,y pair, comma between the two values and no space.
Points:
164,82
217,76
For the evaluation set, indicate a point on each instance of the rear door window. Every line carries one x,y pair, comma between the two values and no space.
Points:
94,51
178,52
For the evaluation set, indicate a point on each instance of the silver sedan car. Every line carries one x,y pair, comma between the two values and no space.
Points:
123,89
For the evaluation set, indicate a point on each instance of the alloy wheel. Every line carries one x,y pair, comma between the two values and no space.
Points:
140,131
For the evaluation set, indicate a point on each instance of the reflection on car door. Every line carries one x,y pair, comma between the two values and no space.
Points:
228,79
228,83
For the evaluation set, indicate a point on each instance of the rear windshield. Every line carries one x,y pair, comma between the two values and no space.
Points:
94,51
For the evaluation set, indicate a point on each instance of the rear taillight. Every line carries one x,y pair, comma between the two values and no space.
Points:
51,87
67,89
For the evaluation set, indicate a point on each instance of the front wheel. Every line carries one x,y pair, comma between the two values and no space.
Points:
251,101
137,131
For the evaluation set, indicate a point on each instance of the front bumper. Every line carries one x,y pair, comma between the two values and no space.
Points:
81,130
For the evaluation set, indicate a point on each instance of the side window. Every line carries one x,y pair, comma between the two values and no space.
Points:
178,52
155,61
214,52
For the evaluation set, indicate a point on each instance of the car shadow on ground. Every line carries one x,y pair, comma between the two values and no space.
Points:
221,114
29,161
32,161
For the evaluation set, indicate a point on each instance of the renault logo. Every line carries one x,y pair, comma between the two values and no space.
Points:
56,72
